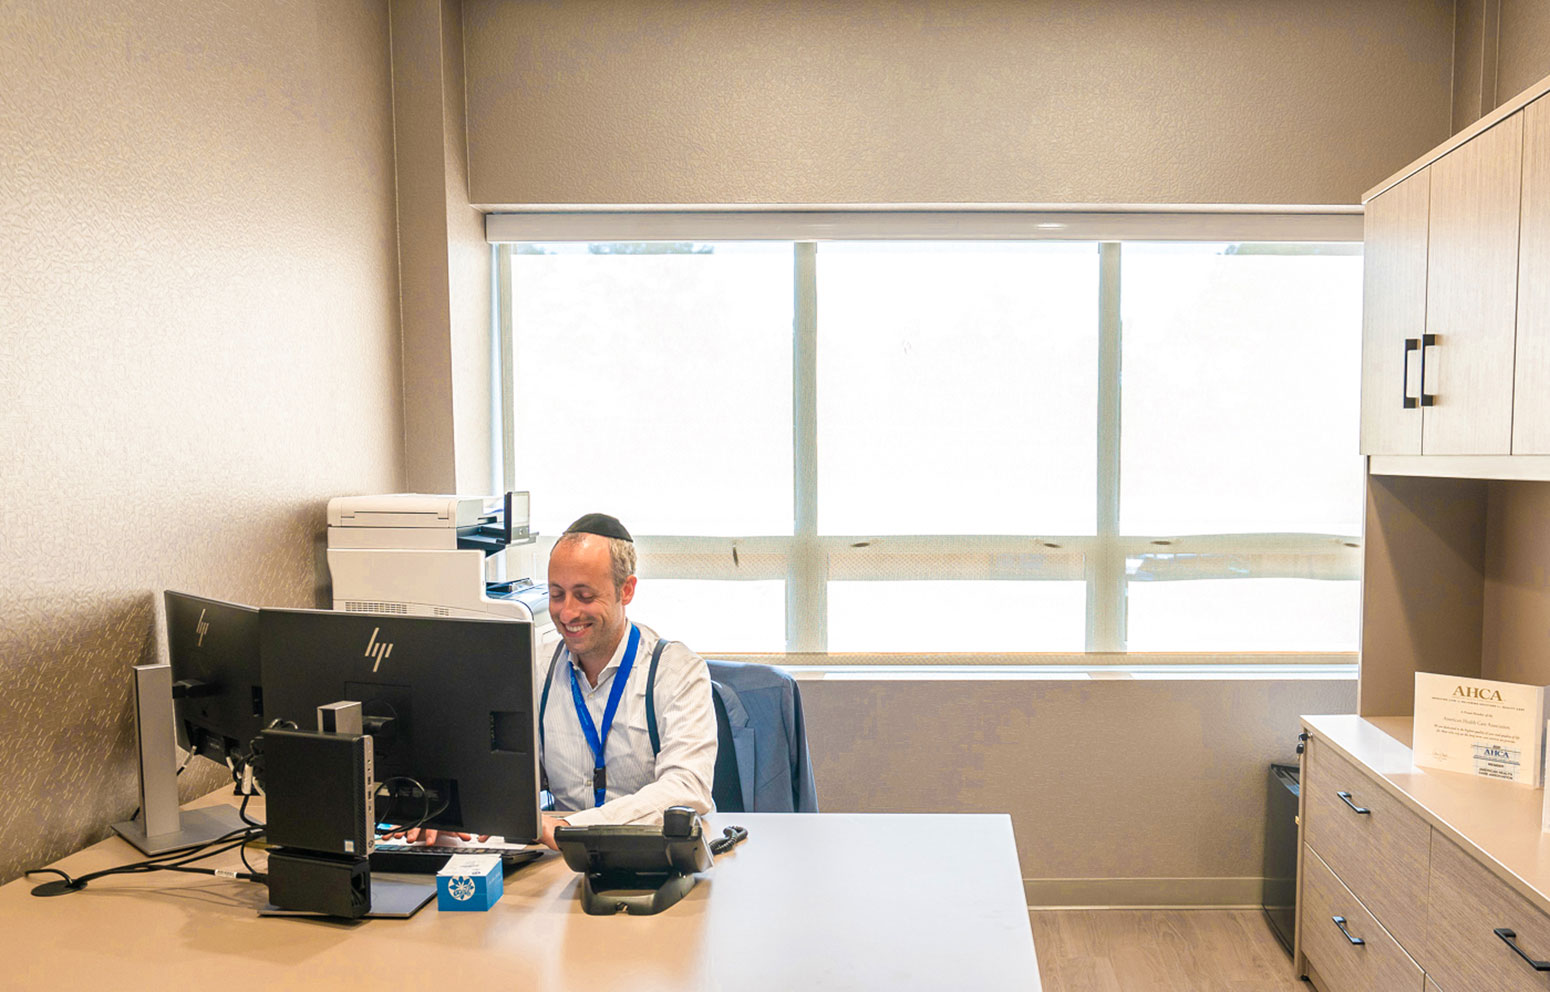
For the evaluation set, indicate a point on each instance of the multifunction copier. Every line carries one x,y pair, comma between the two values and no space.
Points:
442,556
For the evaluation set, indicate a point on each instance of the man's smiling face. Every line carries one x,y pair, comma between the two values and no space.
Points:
585,606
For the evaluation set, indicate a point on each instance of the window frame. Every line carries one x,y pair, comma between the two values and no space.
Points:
806,560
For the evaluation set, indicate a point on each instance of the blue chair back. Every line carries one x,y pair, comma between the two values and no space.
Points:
763,710
727,785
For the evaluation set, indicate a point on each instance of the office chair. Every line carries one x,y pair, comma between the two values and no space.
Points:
727,784
763,740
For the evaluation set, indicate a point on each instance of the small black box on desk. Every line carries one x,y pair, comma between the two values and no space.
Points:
318,792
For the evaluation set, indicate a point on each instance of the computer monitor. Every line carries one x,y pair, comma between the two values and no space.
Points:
208,695
448,701
216,688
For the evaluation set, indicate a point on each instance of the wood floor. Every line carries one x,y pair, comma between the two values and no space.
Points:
1147,950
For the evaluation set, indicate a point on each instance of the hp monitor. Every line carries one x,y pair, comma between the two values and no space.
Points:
216,688
209,692
449,703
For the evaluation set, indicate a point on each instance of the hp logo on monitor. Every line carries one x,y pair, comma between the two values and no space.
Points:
376,650
201,627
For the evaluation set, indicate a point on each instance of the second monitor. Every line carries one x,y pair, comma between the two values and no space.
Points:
448,702
213,649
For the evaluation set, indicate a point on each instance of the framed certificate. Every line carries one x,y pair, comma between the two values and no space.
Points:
1479,727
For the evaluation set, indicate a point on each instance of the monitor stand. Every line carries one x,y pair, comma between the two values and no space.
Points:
161,826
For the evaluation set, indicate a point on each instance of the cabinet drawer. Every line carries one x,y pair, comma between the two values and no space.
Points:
1381,854
1378,964
1468,903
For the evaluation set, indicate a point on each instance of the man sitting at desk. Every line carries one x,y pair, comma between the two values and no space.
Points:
596,740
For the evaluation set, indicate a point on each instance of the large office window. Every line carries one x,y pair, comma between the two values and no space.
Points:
884,448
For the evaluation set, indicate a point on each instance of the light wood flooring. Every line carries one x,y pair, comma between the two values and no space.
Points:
1156,950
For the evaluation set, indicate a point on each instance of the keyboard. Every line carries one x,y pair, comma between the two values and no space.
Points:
421,859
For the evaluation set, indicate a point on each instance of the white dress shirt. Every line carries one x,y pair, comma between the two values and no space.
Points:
639,786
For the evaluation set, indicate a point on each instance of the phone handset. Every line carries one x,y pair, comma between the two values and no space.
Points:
682,822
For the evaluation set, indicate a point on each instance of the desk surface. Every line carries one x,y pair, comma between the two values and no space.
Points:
808,902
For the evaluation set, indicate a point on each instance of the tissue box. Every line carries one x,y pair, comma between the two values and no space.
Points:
469,883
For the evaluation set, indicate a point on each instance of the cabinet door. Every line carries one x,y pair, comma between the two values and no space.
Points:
1471,294
1394,317
1468,906
1531,392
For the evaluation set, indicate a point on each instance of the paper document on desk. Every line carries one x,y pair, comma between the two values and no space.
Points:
1480,727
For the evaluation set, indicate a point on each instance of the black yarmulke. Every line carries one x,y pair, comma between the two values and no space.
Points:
602,525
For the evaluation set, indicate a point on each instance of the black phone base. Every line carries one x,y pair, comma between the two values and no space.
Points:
637,893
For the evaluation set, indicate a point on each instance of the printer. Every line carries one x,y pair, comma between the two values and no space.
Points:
443,556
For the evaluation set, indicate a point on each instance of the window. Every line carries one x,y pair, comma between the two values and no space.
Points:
655,379
957,387
993,447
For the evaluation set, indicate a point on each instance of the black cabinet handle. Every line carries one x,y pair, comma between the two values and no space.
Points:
1411,344
1340,922
1508,936
1345,797
1427,341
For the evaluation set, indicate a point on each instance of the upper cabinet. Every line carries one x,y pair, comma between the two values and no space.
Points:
1531,391
1439,314
1471,295
1394,317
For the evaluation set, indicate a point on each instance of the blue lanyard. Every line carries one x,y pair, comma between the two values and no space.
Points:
615,693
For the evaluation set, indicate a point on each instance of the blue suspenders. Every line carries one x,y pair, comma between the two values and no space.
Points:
622,676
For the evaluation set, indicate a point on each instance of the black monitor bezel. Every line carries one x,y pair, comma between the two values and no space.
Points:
450,731
223,714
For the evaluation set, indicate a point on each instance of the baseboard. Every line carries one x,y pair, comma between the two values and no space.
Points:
1136,893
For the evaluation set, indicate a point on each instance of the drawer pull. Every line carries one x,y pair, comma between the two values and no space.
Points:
1427,341
1411,344
1340,922
1345,797
1508,936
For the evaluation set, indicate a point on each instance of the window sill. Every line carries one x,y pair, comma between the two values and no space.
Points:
1096,666
1074,673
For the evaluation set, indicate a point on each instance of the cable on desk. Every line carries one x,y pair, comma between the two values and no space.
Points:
175,860
427,813
242,812
249,770
730,838
242,850
178,859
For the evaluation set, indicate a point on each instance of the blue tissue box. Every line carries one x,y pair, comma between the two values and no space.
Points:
469,883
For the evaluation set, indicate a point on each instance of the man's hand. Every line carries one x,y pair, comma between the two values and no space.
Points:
423,835
550,822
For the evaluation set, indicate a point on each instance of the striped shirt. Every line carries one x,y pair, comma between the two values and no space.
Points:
640,787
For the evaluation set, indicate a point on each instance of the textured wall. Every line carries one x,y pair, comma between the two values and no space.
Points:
1523,47
1104,779
468,263
1149,101
198,346
1474,60
1501,48
420,150
444,260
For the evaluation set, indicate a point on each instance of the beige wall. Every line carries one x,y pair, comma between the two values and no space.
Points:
1501,47
1119,790
1523,46
1474,60
444,258
1133,101
1515,641
199,344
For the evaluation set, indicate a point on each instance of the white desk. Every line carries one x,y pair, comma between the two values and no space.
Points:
808,903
